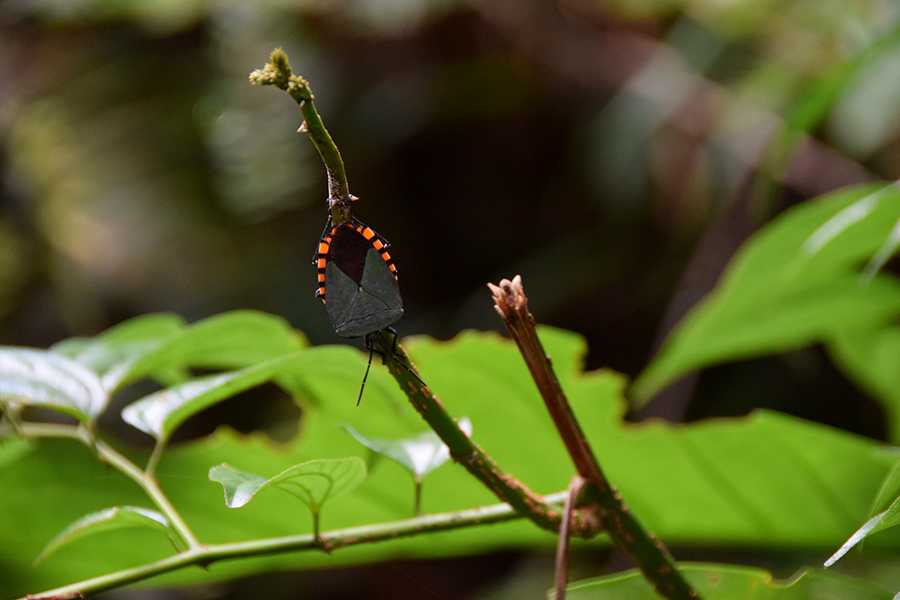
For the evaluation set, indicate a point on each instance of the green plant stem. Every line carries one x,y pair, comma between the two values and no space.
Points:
158,449
9,419
469,454
277,72
647,552
108,455
330,540
417,501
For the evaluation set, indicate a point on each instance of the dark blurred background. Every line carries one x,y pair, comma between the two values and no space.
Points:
612,153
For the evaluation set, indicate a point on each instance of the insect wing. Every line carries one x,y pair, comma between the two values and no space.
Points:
360,288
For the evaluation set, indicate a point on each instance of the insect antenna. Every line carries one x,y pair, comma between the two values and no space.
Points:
366,376
370,344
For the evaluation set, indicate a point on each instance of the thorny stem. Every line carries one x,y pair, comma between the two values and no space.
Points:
629,536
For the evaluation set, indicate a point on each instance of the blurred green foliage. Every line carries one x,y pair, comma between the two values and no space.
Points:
586,146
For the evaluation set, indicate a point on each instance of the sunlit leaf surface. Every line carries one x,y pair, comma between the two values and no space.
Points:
114,353
159,414
313,482
420,454
43,378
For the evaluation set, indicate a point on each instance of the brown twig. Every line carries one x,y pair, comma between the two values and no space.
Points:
647,552
562,546
469,454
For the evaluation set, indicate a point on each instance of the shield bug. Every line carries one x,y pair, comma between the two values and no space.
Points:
357,279
358,284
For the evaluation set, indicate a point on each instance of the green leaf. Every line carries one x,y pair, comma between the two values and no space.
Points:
163,347
420,454
240,486
889,490
883,520
231,340
798,281
14,450
730,582
160,413
313,482
766,481
117,517
887,250
113,353
42,378
869,356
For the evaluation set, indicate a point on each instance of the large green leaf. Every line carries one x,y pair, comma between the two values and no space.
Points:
229,340
765,481
114,352
43,378
796,282
160,413
163,346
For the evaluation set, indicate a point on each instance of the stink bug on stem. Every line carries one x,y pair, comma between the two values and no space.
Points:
358,284
357,279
